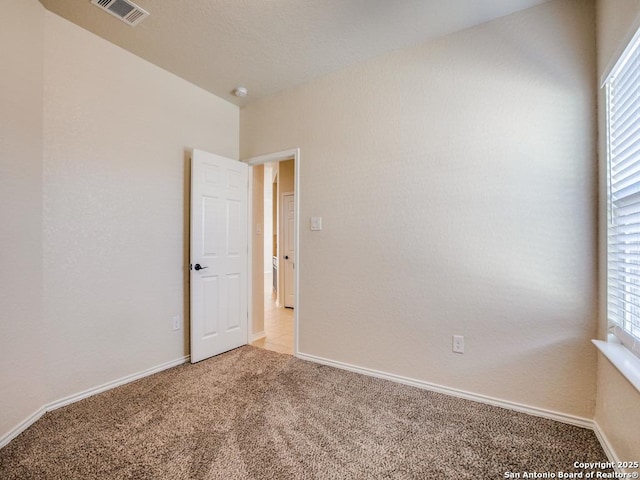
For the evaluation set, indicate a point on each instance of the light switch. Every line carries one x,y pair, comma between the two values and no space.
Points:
316,223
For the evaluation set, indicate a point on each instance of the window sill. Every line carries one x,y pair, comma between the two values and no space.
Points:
625,361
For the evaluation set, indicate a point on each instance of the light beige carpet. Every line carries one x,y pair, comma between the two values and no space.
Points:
255,414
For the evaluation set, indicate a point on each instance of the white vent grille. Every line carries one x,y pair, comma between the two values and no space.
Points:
125,10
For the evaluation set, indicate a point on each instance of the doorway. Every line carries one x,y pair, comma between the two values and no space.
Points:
275,319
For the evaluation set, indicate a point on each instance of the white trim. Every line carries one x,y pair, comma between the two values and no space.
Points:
22,426
273,157
85,394
606,446
257,336
621,358
454,392
116,383
260,160
250,234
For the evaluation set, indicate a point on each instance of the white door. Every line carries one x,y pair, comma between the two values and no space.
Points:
219,265
289,257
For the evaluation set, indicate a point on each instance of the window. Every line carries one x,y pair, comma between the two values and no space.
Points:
623,238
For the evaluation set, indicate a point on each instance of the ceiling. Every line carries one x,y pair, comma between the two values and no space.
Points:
271,45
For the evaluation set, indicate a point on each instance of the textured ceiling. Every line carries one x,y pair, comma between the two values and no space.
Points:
271,45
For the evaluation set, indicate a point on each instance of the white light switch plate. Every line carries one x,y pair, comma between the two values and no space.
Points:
316,223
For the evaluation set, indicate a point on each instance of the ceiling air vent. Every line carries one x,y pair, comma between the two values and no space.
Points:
125,10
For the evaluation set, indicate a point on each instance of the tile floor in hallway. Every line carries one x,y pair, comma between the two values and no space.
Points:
278,323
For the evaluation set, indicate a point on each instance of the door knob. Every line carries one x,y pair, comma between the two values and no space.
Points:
286,257
198,267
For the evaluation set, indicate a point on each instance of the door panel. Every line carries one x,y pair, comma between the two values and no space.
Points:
219,266
210,295
234,295
289,249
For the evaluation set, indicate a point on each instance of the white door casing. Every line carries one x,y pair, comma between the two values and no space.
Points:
278,157
289,255
219,258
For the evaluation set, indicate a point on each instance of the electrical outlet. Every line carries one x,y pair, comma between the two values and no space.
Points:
176,322
458,344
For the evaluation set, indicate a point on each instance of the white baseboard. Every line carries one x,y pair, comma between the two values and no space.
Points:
5,439
518,407
607,447
22,426
115,383
257,336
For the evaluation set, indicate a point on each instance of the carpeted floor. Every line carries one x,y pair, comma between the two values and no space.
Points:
255,414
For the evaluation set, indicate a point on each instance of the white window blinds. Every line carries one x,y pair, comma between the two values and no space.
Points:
623,143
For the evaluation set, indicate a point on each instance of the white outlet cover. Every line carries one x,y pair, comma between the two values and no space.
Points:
458,344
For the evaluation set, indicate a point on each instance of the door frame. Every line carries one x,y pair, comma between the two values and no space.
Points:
261,160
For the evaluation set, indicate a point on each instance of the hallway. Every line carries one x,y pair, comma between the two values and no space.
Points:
278,323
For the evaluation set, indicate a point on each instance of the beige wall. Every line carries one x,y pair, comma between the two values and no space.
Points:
286,172
116,132
456,181
462,201
21,98
90,282
618,402
617,22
